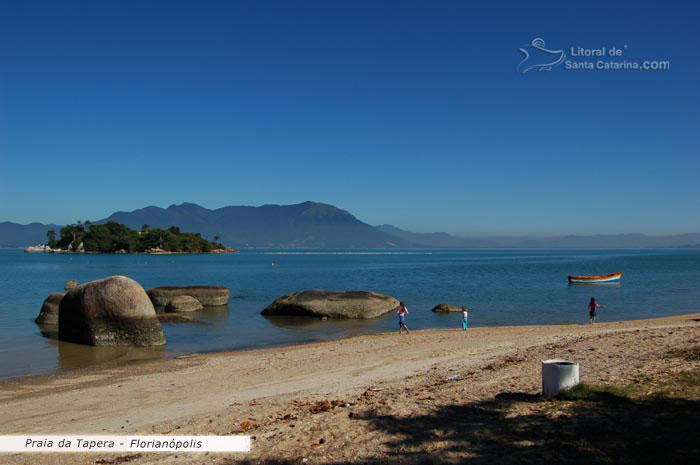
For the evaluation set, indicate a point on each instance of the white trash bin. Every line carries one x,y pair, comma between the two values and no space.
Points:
558,375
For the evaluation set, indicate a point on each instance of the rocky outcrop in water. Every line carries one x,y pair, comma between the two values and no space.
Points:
446,308
114,311
208,296
49,309
333,304
183,303
41,248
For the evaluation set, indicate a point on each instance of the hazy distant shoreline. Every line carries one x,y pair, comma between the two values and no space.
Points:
70,252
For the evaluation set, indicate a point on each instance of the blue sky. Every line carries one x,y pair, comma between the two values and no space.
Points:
410,113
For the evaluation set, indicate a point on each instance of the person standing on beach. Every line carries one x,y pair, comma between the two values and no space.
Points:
465,315
403,311
592,306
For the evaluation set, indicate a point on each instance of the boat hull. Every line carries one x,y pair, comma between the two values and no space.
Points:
606,278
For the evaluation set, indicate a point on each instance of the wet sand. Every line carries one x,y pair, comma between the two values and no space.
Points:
217,393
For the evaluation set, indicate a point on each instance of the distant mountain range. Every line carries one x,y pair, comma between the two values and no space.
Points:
304,225
319,225
24,235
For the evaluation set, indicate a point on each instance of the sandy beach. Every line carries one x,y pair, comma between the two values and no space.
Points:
337,401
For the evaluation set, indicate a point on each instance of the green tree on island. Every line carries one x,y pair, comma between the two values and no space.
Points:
71,236
51,236
113,237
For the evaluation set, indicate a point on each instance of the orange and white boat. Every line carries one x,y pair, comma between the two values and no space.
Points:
605,278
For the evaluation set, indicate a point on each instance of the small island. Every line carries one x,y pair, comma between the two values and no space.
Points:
116,238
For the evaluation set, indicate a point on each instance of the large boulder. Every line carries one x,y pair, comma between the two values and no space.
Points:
72,284
114,311
333,304
49,309
446,308
209,296
183,303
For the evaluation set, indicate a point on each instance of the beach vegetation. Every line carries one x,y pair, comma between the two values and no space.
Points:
594,393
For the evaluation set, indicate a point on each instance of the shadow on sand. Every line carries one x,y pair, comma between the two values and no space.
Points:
519,428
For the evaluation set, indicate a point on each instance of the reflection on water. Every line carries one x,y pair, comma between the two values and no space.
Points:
310,329
314,323
217,315
616,284
71,356
212,315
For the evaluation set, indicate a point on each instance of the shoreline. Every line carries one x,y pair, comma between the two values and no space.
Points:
118,362
544,330
270,388
69,252
429,249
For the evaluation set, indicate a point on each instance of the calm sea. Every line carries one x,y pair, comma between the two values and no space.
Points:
501,287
